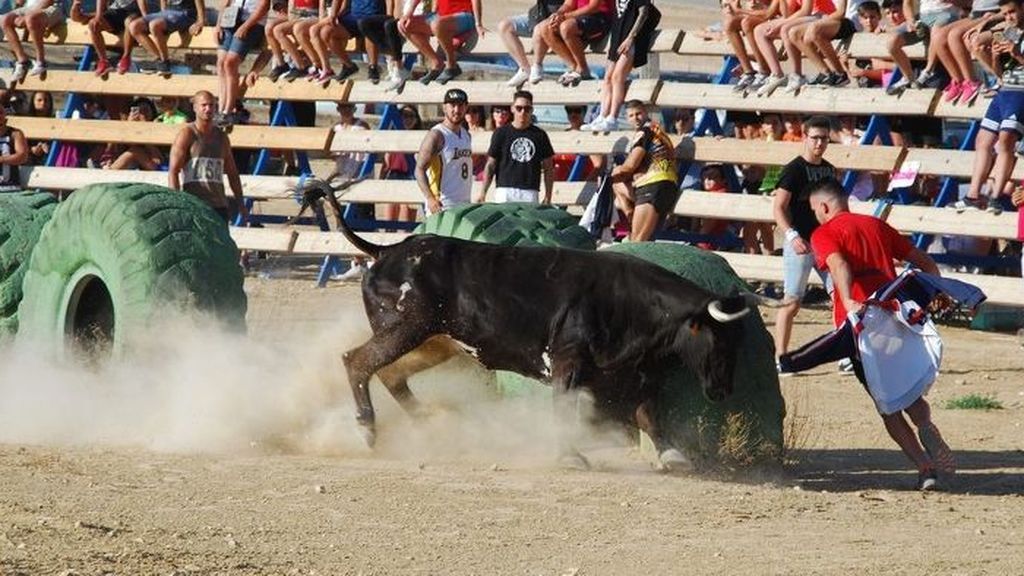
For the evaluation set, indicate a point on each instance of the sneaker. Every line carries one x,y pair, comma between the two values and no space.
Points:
927,481
292,73
354,273
593,124
838,79
102,68
901,85
968,92
347,69
770,85
312,73
994,207
21,69
536,74
925,77
937,449
845,367
820,81
952,91
324,77
518,79
796,82
163,68
398,78
744,82
965,204
782,373
123,65
564,78
373,74
277,71
759,80
604,124
38,69
431,75
449,74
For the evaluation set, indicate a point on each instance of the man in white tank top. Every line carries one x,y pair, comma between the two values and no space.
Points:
444,167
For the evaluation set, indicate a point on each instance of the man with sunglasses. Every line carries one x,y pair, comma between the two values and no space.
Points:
517,154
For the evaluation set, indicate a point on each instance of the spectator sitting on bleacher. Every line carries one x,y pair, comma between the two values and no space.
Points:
736,19
567,32
1003,124
563,163
631,38
381,31
519,26
152,30
517,154
920,25
646,185
240,29
141,156
41,106
759,237
113,18
870,72
401,166
293,37
712,179
333,32
38,17
277,15
979,43
500,116
452,18
169,111
792,128
952,48
819,36
797,15
13,153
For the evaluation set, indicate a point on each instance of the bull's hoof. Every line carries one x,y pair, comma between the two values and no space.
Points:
673,460
368,434
574,461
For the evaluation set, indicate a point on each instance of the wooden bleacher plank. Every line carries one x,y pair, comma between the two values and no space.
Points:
75,34
667,40
410,140
408,192
694,45
976,111
279,240
163,134
931,220
334,243
496,92
861,101
180,85
868,45
955,163
731,150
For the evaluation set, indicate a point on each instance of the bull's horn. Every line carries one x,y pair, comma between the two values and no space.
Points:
715,309
759,300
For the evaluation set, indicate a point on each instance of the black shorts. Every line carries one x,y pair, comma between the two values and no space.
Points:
662,195
593,26
115,18
846,29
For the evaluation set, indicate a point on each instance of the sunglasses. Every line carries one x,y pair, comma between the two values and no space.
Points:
523,108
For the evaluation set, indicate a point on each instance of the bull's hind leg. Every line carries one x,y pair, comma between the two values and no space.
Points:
395,376
670,458
363,362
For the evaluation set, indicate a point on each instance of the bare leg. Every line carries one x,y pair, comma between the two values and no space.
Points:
983,160
899,430
573,37
645,223
784,325
763,35
1006,159
895,45
443,29
512,42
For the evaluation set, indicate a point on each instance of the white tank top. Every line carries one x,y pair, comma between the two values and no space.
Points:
451,172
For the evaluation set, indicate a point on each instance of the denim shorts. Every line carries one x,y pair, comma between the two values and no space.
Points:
931,20
464,21
796,271
242,46
176,20
521,25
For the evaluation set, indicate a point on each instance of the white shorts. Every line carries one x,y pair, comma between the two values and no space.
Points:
503,195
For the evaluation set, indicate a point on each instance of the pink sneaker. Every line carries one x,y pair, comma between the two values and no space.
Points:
123,65
952,91
968,92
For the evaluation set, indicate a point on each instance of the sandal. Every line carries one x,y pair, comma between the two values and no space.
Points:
989,92
564,78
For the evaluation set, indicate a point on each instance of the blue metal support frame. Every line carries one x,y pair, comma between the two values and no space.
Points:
73,102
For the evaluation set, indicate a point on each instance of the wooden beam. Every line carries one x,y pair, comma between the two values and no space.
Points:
694,45
157,134
334,243
410,140
955,163
487,92
811,100
868,45
734,151
264,239
179,85
976,110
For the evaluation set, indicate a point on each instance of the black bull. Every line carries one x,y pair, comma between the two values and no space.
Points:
605,322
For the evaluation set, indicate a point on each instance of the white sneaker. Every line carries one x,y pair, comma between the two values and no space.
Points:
536,74
770,84
20,69
38,68
397,80
354,273
744,82
518,79
593,125
608,124
796,82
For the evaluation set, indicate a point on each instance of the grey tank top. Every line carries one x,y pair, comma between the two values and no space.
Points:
203,175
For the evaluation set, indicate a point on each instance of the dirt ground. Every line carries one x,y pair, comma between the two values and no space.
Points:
475,491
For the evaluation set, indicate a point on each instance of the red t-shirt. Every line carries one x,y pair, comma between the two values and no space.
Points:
448,7
869,246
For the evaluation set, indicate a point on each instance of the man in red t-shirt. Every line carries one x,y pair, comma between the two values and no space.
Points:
859,251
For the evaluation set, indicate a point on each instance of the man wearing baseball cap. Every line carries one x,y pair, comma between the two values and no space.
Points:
444,167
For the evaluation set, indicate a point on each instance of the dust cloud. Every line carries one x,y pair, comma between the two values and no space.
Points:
188,387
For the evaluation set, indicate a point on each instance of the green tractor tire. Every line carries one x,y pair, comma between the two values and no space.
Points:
511,224
116,256
22,217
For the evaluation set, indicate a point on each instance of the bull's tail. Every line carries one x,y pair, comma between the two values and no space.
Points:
315,190
365,246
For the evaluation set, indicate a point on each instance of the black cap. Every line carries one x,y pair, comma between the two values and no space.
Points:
455,96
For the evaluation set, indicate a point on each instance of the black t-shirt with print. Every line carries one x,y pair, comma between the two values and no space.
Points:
519,154
796,178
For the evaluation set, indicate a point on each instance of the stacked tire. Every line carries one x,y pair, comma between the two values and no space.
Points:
510,224
114,257
22,217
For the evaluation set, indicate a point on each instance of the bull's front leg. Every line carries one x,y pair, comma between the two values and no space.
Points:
564,380
670,458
